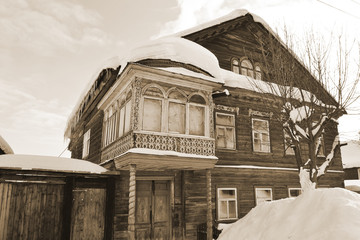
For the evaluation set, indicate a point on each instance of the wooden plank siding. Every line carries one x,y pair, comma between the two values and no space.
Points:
247,101
30,210
245,181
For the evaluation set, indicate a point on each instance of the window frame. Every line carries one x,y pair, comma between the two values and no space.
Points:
261,132
263,188
164,118
247,69
227,205
86,143
286,145
235,65
225,127
257,71
293,188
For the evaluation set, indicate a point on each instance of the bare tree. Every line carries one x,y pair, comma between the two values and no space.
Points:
312,93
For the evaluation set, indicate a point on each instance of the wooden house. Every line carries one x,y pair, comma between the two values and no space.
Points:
193,143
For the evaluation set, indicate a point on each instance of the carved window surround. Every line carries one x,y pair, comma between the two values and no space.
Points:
260,114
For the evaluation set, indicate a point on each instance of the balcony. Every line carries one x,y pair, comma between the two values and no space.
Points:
171,146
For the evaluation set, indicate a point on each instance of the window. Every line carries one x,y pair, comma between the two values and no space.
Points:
86,144
177,113
227,203
321,152
125,117
257,72
117,120
197,115
152,109
358,171
263,195
294,192
110,125
247,68
261,138
174,114
225,130
235,66
288,143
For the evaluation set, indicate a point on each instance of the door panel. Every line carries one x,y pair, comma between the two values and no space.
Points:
153,210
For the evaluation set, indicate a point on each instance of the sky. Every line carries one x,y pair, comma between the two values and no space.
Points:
51,49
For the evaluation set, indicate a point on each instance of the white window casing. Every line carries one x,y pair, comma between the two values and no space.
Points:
227,203
261,135
263,195
225,130
86,144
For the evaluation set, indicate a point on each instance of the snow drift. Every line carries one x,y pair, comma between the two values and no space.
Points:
329,214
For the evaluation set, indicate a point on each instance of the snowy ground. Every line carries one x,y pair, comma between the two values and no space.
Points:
329,214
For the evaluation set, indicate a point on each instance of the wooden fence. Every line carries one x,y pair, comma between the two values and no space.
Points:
38,205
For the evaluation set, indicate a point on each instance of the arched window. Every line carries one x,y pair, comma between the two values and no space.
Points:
177,112
257,72
110,125
247,68
197,106
152,109
235,65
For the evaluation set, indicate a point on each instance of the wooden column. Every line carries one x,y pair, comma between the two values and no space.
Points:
132,202
209,223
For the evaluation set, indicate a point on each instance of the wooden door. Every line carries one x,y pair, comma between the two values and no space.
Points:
153,210
88,214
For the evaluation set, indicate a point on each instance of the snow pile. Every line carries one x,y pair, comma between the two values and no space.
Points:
5,146
352,185
329,214
33,162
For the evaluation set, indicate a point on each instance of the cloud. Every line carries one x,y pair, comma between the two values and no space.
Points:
43,26
31,125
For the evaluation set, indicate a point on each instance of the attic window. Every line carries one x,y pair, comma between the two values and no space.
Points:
235,66
247,68
257,72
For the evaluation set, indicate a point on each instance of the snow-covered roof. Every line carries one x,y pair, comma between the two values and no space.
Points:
34,162
350,154
330,214
232,15
352,185
5,146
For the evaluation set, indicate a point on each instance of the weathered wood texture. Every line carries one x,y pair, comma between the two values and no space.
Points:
30,211
247,101
245,181
88,213
195,202
351,173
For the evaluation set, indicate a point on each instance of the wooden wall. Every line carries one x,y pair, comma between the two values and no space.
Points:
31,211
46,205
245,181
351,173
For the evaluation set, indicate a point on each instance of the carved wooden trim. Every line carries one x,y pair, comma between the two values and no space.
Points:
118,147
209,221
211,116
260,114
227,108
135,108
132,202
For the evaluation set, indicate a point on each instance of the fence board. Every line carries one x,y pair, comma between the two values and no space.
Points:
88,213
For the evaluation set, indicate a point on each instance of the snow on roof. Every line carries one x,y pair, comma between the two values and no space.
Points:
331,214
178,50
166,153
350,154
5,146
236,80
352,185
34,162
232,15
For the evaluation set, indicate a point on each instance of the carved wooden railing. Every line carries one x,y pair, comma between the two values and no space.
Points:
158,141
